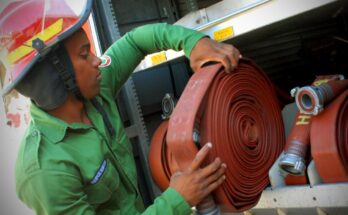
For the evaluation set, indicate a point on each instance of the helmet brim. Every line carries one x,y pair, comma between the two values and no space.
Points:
40,54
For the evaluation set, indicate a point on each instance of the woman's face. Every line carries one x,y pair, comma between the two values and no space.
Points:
85,64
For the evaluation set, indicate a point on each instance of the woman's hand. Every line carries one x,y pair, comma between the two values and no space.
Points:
195,183
207,50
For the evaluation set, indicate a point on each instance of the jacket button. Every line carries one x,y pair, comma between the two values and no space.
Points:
34,134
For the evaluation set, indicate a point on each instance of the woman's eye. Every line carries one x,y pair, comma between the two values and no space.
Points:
84,56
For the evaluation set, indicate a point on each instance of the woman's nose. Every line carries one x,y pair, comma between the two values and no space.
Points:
97,61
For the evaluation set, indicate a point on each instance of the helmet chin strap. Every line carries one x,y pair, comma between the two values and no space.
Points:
64,67
106,119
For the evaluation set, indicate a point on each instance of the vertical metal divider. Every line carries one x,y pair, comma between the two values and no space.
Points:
130,101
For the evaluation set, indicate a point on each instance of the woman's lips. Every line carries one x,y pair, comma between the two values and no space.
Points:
99,76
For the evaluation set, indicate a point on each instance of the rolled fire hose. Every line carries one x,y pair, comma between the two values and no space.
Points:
240,115
298,140
311,99
329,140
158,160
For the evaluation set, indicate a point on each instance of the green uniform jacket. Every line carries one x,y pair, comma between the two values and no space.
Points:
79,169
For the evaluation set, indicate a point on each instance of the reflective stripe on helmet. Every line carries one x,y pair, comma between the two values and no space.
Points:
26,48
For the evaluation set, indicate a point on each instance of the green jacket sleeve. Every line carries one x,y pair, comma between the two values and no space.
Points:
53,193
126,53
169,203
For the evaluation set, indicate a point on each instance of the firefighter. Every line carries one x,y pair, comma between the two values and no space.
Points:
75,157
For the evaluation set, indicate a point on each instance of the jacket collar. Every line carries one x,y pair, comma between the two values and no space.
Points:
52,127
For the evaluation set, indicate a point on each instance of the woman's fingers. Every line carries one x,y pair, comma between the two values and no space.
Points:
212,186
233,56
195,182
200,156
216,175
207,50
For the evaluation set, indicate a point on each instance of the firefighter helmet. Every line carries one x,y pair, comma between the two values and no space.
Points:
32,29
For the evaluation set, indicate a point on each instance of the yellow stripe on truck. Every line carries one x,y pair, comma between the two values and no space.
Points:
26,48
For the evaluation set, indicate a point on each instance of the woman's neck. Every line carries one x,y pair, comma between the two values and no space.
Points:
72,110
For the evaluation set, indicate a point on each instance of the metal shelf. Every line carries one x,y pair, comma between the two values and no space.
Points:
322,199
228,19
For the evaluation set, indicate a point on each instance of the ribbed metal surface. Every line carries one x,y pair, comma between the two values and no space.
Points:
293,55
187,6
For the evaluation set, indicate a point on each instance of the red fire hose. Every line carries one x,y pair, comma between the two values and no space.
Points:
240,115
157,157
329,139
297,144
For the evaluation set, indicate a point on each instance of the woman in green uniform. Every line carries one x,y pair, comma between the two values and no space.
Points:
75,157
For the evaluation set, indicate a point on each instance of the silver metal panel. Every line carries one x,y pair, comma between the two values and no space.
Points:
255,15
217,12
263,15
324,195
